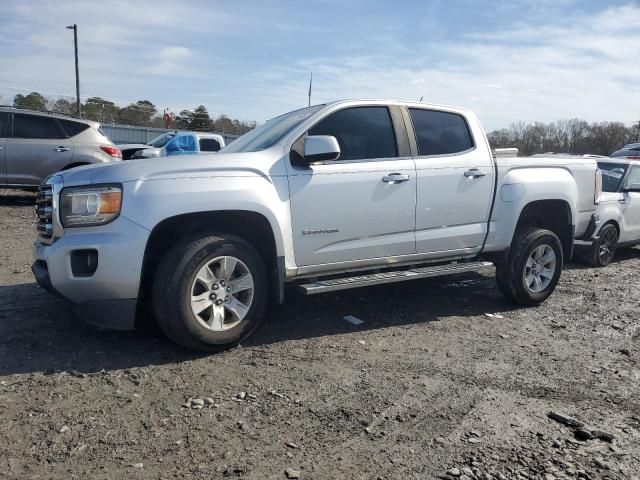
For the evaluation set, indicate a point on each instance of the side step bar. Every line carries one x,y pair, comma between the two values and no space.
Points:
323,286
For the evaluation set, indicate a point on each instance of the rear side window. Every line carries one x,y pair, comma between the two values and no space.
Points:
440,133
209,145
72,128
35,126
5,125
362,132
612,174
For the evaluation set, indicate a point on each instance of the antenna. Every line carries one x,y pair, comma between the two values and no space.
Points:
421,98
310,84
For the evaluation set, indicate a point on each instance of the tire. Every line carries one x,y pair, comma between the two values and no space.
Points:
182,286
604,249
513,277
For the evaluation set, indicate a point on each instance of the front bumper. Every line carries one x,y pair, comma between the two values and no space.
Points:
108,297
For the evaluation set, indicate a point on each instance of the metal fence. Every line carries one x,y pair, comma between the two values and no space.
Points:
128,134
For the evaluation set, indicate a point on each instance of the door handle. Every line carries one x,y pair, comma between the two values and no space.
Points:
394,178
622,201
474,173
62,149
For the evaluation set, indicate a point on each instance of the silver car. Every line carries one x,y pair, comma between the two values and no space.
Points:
34,145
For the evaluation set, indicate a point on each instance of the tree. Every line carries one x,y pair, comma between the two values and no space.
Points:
100,110
33,101
64,106
201,121
139,113
183,120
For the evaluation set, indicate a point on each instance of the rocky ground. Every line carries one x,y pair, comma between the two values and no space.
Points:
443,379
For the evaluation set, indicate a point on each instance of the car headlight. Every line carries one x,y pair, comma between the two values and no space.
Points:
90,206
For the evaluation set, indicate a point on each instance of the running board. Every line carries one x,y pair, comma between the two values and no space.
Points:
323,286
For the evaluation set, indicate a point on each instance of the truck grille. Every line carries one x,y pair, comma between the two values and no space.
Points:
44,211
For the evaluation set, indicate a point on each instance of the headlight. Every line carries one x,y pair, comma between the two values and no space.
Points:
90,206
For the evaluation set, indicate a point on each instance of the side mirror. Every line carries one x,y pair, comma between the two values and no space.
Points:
318,148
148,153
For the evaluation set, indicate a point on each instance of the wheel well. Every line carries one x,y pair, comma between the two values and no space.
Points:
250,226
611,222
74,165
554,215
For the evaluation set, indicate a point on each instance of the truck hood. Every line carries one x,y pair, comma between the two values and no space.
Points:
265,163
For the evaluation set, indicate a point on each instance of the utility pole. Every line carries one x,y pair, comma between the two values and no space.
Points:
74,27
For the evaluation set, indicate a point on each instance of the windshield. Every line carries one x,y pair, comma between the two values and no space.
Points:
162,140
612,174
268,134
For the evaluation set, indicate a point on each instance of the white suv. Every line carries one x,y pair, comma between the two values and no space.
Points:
618,211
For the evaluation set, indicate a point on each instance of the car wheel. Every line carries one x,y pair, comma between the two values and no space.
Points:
210,293
533,268
604,249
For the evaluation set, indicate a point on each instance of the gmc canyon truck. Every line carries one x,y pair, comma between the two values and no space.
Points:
330,197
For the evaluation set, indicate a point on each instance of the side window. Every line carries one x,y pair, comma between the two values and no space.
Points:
181,144
633,181
72,128
209,145
362,132
440,133
5,124
35,126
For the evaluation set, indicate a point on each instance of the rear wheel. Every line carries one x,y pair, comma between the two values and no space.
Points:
604,249
210,293
533,268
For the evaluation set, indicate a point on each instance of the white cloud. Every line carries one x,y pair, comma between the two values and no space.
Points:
582,66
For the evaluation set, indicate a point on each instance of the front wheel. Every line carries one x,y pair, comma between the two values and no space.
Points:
604,249
210,293
533,268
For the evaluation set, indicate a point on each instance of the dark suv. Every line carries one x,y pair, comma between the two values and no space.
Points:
34,145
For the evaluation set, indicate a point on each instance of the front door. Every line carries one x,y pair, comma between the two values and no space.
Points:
360,206
455,176
630,230
37,148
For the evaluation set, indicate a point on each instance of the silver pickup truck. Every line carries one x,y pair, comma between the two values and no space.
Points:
330,197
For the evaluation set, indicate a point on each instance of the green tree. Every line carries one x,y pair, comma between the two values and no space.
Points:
201,122
100,110
64,106
139,113
183,120
33,101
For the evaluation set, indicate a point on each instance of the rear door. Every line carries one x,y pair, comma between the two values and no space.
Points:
39,146
5,129
455,182
361,206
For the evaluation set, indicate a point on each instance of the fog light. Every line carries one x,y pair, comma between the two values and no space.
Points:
84,263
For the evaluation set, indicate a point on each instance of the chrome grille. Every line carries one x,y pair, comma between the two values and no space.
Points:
44,211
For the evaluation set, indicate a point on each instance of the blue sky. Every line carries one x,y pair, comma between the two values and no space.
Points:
507,60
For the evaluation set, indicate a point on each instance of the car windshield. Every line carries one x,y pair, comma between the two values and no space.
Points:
612,174
268,134
162,140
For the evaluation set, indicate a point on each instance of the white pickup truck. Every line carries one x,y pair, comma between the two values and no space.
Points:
330,197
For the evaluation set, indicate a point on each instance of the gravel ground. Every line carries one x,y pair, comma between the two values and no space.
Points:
443,379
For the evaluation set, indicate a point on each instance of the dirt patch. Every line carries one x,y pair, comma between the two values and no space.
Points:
428,384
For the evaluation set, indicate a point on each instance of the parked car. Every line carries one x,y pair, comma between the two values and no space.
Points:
329,197
618,212
34,145
174,143
630,151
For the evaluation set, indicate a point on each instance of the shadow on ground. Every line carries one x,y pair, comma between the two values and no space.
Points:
38,333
